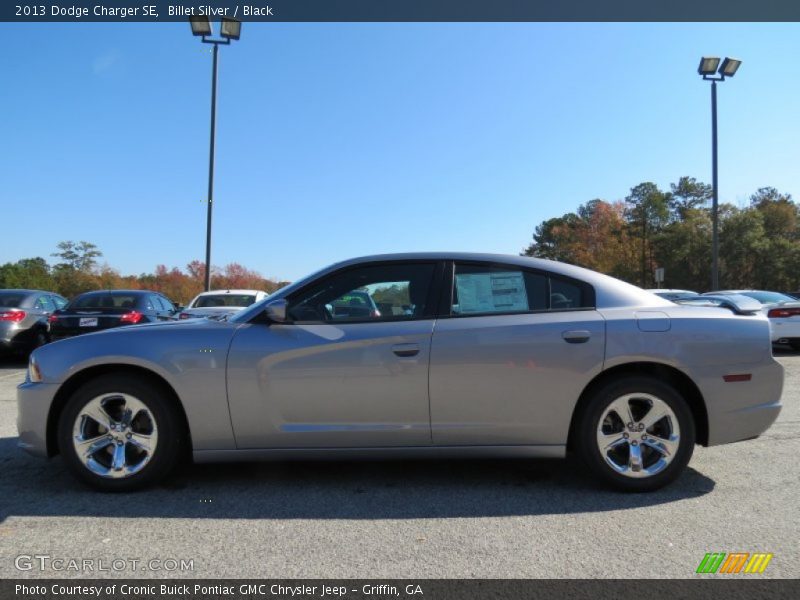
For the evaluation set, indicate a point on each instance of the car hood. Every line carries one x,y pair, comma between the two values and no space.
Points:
213,310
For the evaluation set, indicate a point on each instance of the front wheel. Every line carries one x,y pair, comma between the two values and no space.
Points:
637,434
120,433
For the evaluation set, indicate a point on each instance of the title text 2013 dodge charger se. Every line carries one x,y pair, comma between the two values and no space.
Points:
459,355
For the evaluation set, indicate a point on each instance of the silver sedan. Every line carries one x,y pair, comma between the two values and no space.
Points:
465,355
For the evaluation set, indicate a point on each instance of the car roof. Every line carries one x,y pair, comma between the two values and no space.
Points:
217,292
136,292
15,291
670,291
609,292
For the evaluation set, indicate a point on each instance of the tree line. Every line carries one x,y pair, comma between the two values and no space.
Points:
759,246
78,271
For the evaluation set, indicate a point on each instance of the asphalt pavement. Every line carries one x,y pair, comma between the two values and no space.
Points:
428,519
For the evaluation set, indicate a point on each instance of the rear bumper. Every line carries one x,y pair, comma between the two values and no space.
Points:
742,410
33,408
784,329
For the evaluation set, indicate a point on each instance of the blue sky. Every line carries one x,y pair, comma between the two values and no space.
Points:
337,140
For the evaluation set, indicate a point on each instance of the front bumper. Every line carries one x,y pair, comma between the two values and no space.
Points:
33,408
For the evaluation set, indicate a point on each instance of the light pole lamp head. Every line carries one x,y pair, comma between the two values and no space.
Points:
231,28
708,65
729,67
200,25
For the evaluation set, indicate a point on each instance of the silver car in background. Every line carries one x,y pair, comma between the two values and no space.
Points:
220,303
24,319
469,355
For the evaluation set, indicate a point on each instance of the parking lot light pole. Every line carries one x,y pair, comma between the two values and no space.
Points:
712,71
230,30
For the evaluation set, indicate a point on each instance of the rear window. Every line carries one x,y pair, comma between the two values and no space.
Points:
769,297
224,300
105,301
11,299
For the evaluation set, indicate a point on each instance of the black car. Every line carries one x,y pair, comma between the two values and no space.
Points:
94,311
23,318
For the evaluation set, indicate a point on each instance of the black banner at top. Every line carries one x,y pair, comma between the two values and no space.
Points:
401,10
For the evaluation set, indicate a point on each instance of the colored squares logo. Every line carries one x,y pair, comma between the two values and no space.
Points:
734,562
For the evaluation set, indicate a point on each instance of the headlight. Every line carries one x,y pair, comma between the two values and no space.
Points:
34,374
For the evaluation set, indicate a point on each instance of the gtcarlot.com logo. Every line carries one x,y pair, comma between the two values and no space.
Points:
46,562
735,562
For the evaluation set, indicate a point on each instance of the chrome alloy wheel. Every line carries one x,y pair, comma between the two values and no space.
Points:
115,435
638,435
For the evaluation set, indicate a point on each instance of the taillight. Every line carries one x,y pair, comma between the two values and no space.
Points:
15,316
782,313
183,316
131,317
52,318
375,314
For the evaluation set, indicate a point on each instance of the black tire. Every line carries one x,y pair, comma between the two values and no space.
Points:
172,436
589,422
39,339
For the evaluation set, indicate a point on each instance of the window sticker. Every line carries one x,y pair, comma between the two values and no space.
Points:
491,292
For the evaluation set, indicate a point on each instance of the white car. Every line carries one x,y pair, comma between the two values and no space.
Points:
220,303
782,311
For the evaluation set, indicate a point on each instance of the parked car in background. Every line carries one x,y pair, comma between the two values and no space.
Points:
104,309
675,295
23,318
220,303
486,355
782,311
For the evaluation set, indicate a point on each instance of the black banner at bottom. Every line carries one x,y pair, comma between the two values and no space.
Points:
386,589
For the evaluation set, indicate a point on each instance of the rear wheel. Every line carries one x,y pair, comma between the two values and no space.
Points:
39,340
120,433
636,434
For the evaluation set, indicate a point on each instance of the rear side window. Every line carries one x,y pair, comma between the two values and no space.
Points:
58,301
44,303
488,289
567,294
166,303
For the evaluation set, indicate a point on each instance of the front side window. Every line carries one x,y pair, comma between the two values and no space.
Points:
374,293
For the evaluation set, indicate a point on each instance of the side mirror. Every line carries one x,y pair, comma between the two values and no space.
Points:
276,310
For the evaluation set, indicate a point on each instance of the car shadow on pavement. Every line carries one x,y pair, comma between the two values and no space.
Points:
331,490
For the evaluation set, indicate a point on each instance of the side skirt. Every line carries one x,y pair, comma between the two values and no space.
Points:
404,453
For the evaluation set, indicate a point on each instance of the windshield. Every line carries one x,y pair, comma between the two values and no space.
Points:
104,301
11,299
677,295
769,297
222,300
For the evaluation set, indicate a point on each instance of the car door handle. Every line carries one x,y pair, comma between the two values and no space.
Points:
406,350
576,336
